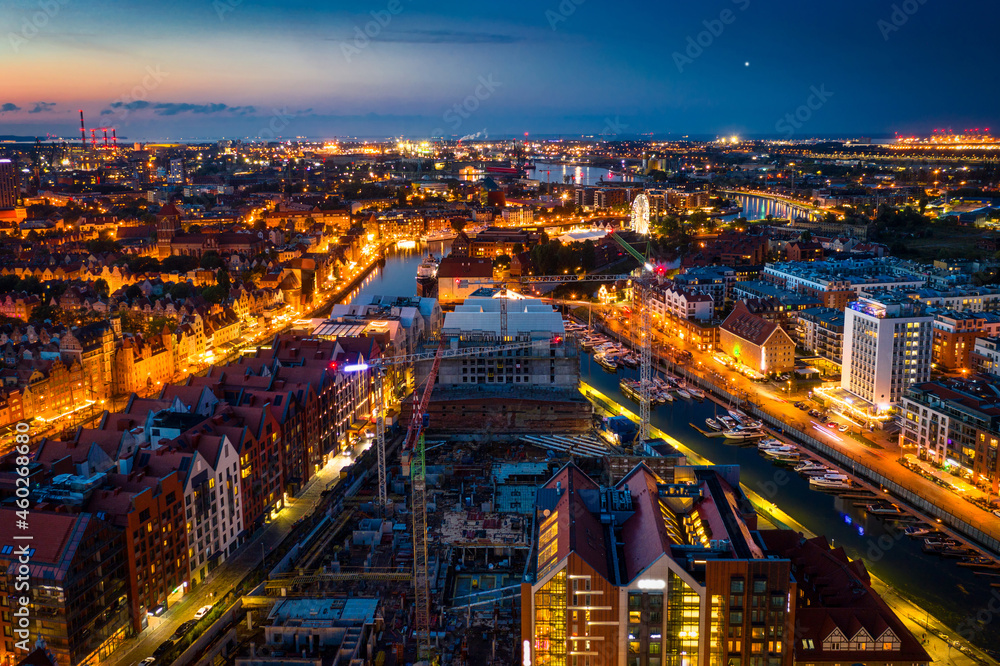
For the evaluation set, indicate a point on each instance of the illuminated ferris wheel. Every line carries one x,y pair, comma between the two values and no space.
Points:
640,215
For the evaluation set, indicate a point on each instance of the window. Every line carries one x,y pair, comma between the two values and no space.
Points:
759,586
736,586
735,617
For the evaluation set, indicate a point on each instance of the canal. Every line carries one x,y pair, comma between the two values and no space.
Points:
951,593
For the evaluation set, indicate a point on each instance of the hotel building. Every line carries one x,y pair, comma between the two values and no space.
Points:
887,347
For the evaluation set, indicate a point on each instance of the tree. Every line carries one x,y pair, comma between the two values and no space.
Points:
213,294
103,245
133,292
178,264
806,236
180,291
144,265
502,262
46,312
211,260
458,225
699,219
223,280
194,229
101,288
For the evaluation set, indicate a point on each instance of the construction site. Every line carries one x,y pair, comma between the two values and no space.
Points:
419,552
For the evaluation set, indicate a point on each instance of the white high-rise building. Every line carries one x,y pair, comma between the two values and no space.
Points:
887,347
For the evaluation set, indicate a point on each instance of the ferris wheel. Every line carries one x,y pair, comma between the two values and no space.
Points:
640,215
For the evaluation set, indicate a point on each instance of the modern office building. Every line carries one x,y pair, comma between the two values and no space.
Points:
653,572
887,347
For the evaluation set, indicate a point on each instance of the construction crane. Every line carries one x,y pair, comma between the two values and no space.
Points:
414,442
379,366
642,328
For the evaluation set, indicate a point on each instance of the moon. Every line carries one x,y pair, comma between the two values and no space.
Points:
747,63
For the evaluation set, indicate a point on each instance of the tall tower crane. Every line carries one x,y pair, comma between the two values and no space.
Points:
642,331
418,480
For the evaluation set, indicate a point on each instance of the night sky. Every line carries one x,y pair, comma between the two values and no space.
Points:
247,68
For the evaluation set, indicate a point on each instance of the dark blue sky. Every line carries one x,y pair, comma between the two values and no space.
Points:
204,68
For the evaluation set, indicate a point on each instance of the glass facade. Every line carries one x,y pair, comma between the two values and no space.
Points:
683,623
550,622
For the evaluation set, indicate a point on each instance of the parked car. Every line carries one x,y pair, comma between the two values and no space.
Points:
202,612
997,513
184,628
148,661
163,648
832,425
814,413
844,428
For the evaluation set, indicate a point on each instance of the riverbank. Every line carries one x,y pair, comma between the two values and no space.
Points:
938,639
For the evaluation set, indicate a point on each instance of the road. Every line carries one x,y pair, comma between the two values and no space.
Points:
883,457
230,572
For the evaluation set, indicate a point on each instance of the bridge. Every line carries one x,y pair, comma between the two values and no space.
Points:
552,279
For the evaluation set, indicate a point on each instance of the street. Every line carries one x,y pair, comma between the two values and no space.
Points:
882,454
230,572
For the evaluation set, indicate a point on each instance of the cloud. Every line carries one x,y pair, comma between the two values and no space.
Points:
446,37
41,107
9,107
178,108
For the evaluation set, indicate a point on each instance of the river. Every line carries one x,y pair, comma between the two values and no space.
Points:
949,592
758,208
578,175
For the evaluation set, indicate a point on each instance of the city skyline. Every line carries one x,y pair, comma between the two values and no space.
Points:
235,69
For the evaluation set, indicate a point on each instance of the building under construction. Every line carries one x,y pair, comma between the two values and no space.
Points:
506,393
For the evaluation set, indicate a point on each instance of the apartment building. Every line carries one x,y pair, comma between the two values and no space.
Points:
653,572
150,510
956,421
675,302
78,582
955,335
821,332
887,347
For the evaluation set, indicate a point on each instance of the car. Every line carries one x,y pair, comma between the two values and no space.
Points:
831,424
997,513
844,428
148,661
163,648
184,628
202,612
814,413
